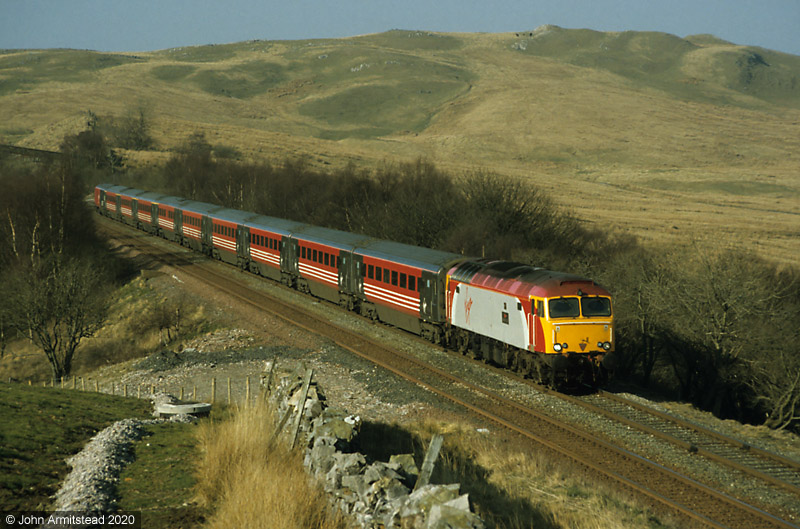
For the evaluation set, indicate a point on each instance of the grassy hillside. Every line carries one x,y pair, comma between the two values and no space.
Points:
645,132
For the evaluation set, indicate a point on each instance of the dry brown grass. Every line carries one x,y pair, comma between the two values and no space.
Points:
621,155
252,484
515,489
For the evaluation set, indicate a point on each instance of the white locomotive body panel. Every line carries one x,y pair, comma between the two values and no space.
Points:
493,314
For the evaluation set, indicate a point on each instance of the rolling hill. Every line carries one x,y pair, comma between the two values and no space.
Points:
662,136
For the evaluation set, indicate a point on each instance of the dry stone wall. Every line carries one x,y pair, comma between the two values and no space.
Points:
376,494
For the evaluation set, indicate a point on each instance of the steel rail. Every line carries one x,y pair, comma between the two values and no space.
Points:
699,495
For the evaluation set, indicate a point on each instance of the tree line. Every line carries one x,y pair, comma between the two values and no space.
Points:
713,326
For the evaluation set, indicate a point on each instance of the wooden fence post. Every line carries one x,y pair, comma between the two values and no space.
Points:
247,393
301,405
213,390
269,379
229,391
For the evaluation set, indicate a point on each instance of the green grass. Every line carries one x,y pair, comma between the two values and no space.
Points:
40,428
173,72
160,481
241,81
726,187
383,108
27,69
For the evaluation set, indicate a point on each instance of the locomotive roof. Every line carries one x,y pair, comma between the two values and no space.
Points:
523,280
416,256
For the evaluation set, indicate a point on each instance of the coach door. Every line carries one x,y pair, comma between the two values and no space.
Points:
290,252
178,222
205,233
242,243
427,296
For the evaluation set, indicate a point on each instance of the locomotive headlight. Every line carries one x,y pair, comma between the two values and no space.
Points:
557,347
607,346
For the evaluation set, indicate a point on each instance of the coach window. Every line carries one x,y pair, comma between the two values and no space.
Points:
412,283
371,272
402,280
315,256
327,259
394,277
378,270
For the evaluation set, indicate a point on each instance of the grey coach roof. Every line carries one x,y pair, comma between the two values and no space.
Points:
274,224
407,254
340,239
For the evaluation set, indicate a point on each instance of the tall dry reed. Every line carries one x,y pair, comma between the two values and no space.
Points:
249,483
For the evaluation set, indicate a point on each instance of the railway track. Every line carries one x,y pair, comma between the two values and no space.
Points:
771,468
664,488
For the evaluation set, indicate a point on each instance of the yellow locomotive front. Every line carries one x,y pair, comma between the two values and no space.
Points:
578,332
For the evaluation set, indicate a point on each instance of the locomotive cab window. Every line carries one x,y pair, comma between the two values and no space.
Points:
595,306
564,308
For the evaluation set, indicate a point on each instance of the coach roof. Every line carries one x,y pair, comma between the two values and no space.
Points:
274,224
409,255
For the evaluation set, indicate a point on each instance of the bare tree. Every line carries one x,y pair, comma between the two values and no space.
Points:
55,305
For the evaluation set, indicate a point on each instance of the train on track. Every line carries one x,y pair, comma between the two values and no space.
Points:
551,326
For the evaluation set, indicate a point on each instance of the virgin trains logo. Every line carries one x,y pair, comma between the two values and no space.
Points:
467,309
